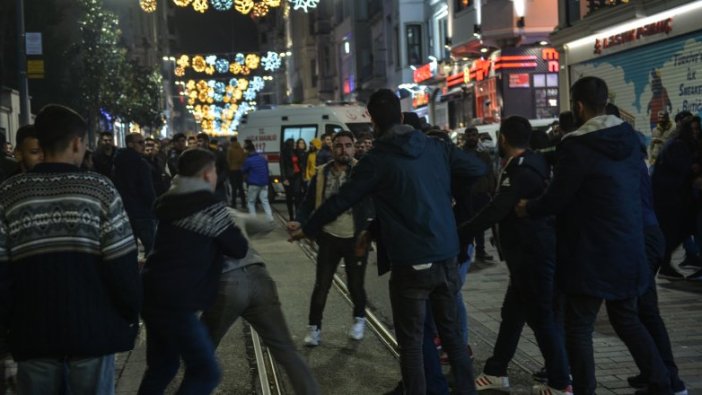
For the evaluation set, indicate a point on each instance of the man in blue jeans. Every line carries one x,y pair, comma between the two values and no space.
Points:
255,170
70,292
181,277
408,176
596,197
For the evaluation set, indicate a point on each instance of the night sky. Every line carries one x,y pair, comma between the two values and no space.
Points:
214,32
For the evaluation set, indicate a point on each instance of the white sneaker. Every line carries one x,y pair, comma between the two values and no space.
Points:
544,389
314,336
486,382
359,325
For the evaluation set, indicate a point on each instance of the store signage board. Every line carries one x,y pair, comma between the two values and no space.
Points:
33,44
519,80
661,27
424,72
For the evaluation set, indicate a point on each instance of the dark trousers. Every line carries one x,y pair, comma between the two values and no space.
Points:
648,306
331,250
537,309
236,179
145,231
170,336
250,293
580,315
675,231
292,194
478,201
410,290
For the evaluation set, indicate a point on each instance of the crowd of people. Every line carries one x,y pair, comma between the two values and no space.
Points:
578,215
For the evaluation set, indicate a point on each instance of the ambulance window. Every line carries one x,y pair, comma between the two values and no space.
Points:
305,132
331,128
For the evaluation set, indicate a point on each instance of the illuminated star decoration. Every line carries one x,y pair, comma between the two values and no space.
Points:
148,6
304,4
222,5
222,66
271,61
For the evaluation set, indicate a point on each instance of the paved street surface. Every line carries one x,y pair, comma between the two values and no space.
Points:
344,366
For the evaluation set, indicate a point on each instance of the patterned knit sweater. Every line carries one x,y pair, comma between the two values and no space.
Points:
70,283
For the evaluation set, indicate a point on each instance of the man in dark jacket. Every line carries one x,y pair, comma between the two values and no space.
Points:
181,277
409,177
255,172
529,248
325,154
104,156
70,292
203,141
595,195
337,240
132,177
179,140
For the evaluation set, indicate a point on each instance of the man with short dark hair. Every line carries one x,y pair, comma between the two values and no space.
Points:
174,153
71,289
528,246
181,277
255,171
596,197
28,152
337,239
157,164
409,177
133,179
324,155
203,141
104,155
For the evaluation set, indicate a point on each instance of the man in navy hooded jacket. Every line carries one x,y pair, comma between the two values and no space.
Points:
409,177
596,197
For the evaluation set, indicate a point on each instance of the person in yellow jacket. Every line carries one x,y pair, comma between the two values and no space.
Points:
311,167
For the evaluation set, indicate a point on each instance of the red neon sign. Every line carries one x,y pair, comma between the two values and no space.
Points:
663,26
423,73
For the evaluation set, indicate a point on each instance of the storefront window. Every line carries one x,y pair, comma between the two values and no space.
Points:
414,44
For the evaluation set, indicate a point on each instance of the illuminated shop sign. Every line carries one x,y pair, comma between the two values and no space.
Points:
651,29
425,72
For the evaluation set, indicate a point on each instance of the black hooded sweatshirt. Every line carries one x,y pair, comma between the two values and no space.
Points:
194,233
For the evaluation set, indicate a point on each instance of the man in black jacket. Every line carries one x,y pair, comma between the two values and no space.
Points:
203,141
104,156
132,177
529,247
181,277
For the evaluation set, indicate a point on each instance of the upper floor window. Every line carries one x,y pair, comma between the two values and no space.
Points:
414,44
462,5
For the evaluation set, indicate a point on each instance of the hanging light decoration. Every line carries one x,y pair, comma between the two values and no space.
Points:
199,64
271,61
304,4
272,3
183,61
148,6
179,71
222,5
252,61
200,5
243,6
182,3
259,10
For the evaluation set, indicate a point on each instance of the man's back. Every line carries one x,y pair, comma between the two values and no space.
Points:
256,169
68,250
132,177
595,193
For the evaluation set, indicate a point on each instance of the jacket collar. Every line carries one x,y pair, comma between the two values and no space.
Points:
594,124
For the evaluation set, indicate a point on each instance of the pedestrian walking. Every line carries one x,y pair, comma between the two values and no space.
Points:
256,173
182,274
104,155
409,177
235,159
71,290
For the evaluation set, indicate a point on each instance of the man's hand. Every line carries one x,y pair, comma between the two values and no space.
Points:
362,242
293,226
296,235
520,209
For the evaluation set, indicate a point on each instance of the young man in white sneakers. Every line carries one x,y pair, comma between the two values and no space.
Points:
529,248
337,239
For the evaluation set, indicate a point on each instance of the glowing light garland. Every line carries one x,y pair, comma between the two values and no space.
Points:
241,65
200,5
304,4
255,8
243,6
148,6
259,10
222,5
271,61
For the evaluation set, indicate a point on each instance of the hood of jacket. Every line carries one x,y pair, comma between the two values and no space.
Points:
186,196
402,140
608,135
316,143
535,162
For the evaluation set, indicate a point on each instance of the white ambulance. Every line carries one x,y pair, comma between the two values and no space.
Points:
269,128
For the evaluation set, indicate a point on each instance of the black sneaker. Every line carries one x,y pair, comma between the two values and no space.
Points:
540,375
668,273
637,381
483,257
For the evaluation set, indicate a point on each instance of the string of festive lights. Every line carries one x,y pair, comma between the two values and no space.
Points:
255,8
148,6
241,64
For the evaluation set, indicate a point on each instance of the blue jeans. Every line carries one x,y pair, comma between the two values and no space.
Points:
53,375
259,192
170,336
250,293
410,290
